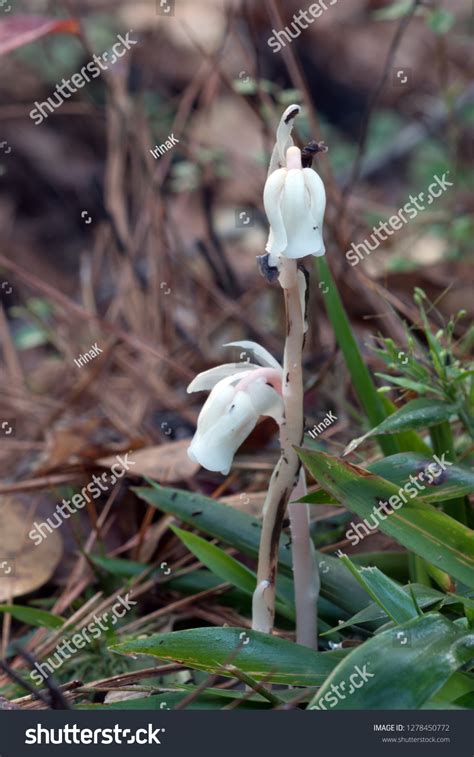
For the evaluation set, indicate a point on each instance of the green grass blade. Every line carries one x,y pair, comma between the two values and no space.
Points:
425,597
227,568
405,666
390,596
117,566
458,480
242,531
369,399
442,440
34,617
419,413
260,655
416,525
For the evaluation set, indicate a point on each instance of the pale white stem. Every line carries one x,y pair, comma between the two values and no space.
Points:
286,472
305,571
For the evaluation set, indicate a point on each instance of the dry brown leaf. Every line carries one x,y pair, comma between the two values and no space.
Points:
66,444
24,565
167,463
74,441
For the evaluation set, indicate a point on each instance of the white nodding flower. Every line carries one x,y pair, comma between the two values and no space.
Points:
295,201
240,394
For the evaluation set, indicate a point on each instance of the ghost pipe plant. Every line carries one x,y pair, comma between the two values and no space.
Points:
294,200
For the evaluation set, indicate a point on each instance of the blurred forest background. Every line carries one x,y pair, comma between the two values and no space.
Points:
154,259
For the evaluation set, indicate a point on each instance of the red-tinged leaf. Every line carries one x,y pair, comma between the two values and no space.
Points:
20,30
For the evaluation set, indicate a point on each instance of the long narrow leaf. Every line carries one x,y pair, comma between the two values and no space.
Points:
242,531
457,481
419,413
33,616
403,667
227,567
418,526
361,378
425,597
260,655
390,596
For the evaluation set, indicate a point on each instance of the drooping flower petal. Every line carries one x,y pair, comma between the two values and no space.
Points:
317,196
278,240
222,430
260,354
208,379
296,216
216,405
